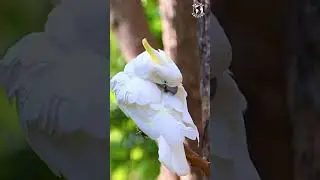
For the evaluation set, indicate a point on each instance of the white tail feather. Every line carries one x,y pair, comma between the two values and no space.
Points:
179,160
173,157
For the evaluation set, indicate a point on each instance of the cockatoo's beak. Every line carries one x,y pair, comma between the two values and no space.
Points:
166,89
172,90
150,51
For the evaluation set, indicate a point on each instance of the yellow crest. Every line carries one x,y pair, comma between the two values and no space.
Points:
150,51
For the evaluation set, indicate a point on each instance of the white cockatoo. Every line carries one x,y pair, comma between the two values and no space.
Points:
150,92
229,152
59,81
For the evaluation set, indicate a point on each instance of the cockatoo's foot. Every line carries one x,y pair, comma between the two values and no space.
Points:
196,161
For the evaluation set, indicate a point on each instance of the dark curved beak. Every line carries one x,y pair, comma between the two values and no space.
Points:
168,89
172,90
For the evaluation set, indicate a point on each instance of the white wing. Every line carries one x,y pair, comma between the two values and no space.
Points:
178,104
135,97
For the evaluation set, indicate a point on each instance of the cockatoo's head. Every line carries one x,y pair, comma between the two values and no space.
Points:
164,71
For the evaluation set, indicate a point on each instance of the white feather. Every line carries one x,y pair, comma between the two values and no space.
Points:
129,89
173,157
179,103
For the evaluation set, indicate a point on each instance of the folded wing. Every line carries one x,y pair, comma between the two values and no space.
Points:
179,107
135,98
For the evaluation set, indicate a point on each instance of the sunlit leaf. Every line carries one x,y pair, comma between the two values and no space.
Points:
116,135
120,173
136,154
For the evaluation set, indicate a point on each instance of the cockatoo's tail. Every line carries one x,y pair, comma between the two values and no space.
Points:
150,51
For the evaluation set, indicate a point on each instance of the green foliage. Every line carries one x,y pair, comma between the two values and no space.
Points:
153,17
18,18
24,164
131,155
10,135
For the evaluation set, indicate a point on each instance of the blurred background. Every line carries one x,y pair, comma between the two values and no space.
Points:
17,160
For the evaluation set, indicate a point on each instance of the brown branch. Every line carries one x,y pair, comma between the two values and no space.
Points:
196,161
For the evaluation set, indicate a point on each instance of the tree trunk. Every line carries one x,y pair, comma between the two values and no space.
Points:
204,46
258,35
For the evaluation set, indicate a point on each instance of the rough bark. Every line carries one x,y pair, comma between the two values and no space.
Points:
204,51
130,26
258,34
180,41
204,42
304,83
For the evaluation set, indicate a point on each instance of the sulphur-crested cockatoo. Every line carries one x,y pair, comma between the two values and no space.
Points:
229,152
150,91
61,92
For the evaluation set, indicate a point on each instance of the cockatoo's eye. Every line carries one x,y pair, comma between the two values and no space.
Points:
164,82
